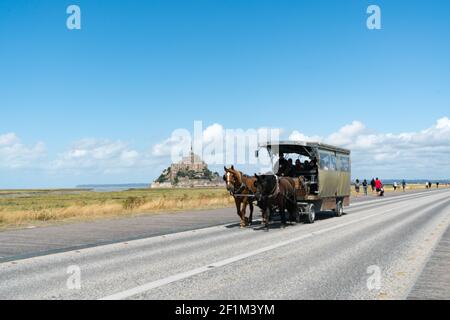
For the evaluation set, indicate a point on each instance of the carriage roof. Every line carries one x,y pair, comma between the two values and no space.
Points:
301,147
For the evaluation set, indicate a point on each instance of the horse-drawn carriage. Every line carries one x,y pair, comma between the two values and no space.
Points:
319,181
323,186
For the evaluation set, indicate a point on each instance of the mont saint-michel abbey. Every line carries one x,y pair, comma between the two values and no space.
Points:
190,172
190,163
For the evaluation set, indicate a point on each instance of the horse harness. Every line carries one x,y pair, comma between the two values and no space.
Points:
276,190
241,188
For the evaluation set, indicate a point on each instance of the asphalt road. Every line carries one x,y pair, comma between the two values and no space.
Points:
31,242
377,250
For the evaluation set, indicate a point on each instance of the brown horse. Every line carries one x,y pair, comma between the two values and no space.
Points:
272,192
242,188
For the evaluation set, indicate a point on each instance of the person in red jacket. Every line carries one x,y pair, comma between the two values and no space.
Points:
378,185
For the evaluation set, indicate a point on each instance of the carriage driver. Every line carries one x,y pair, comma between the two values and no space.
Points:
280,165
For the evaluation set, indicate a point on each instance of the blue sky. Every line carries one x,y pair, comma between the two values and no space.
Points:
137,70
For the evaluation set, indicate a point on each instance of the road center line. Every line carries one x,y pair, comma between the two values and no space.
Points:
390,199
183,275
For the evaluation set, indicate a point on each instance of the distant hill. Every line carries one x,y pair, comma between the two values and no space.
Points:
113,187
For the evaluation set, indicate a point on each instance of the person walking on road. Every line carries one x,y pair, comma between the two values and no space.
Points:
372,185
404,185
381,189
378,185
395,185
357,186
365,185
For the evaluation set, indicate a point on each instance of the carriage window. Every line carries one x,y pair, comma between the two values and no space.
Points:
343,163
333,162
325,161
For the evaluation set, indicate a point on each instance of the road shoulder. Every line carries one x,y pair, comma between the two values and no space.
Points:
434,281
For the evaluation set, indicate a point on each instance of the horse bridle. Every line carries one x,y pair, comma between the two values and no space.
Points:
241,187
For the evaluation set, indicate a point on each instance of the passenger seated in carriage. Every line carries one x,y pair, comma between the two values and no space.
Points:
298,168
286,167
313,164
290,169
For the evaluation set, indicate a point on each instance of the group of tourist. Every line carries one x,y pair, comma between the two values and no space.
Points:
428,185
376,186
286,168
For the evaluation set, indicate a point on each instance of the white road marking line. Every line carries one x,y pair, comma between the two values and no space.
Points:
350,222
183,275
405,196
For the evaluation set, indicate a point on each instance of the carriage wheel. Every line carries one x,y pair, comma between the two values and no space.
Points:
339,209
298,216
310,213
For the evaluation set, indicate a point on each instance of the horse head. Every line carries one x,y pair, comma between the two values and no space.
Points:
265,185
233,179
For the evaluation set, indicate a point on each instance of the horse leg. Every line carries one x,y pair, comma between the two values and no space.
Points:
282,214
296,209
239,212
289,212
266,219
251,213
293,210
244,208
237,202
265,216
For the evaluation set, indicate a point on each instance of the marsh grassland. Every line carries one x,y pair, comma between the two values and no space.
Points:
21,208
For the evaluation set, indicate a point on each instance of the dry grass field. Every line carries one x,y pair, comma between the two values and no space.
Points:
23,208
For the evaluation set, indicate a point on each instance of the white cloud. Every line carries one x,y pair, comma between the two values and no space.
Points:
298,136
213,133
347,134
179,139
421,154
100,155
343,136
8,139
14,154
